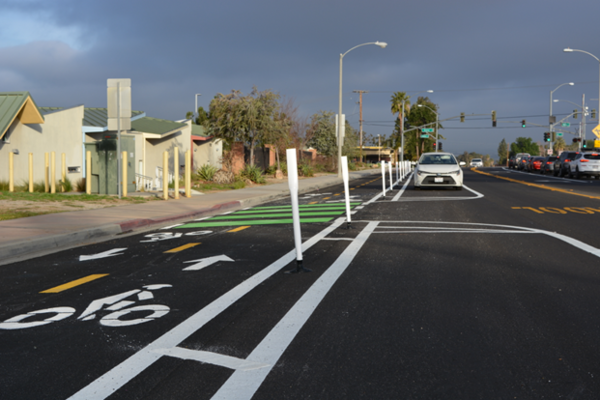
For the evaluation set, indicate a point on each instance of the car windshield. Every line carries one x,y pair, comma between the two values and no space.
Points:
437,159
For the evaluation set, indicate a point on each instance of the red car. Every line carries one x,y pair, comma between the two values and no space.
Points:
536,164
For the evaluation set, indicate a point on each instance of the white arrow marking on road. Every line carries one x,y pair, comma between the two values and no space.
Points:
205,262
108,253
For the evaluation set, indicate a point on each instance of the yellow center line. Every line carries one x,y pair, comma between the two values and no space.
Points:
536,185
241,228
181,248
314,202
326,198
74,283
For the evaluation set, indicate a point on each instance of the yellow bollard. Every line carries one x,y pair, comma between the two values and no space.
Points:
176,172
188,174
124,172
165,176
11,171
53,172
63,172
30,172
88,172
46,173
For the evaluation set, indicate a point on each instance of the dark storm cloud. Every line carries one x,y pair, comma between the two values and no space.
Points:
172,50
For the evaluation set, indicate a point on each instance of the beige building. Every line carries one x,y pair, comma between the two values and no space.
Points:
25,129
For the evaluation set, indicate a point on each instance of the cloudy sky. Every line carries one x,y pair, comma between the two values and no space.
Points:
477,56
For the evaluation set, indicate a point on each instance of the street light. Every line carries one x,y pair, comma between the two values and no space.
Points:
550,118
437,125
568,50
402,125
583,114
340,122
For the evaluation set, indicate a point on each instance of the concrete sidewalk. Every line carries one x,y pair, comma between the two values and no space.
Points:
34,236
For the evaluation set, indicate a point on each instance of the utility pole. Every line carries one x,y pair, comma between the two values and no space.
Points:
360,121
379,139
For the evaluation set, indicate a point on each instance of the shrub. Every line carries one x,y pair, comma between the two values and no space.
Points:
352,166
65,186
306,170
207,172
253,173
81,185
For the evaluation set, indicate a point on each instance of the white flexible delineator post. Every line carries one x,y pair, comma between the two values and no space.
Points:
292,168
391,178
383,177
346,189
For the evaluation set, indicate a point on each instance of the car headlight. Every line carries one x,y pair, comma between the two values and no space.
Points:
421,172
457,172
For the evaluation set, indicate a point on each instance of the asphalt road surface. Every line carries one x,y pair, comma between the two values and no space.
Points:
491,292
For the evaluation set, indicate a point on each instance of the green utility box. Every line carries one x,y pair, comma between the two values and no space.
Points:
104,164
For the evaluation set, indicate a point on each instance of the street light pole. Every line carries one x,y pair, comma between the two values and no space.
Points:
437,126
550,117
196,109
340,122
569,50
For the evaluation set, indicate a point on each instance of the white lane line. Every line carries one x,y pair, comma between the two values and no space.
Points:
407,199
208,357
243,384
401,191
114,379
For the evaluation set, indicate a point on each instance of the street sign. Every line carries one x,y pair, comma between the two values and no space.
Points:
424,136
559,134
596,144
596,131
549,152
566,124
427,130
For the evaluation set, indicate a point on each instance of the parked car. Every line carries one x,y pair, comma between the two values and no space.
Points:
438,169
519,160
562,163
585,164
548,166
535,164
522,166
477,162
512,162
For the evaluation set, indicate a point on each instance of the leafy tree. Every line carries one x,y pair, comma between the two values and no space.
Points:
420,116
323,135
249,119
524,145
201,119
396,100
502,152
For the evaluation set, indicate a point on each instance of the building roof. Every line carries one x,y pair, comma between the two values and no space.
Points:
93,116
198,130
17,105
156,126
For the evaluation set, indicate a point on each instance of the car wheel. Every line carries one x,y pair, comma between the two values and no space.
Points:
577,175
570,174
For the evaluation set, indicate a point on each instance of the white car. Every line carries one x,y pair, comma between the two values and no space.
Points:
438,169
587,163
477,162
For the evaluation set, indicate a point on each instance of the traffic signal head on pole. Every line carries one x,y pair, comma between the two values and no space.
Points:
434,145
441,146
523,124
462,117
546,136
493,118
593,113
575,114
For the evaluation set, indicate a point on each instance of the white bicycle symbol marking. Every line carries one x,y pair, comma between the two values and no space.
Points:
117,305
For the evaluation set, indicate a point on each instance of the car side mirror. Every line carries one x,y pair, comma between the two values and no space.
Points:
462,163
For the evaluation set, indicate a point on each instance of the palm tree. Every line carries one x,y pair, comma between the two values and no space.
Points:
396,100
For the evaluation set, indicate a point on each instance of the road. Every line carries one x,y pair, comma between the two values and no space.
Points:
490,292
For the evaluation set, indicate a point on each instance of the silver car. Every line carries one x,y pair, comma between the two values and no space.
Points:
438,169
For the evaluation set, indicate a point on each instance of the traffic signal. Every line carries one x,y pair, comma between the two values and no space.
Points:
441,146
546,136
434,146
575,140
575,114
462,117
553,138
593,113
584,143
523,124
493,118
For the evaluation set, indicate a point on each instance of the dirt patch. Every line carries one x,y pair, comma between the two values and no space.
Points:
14,208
